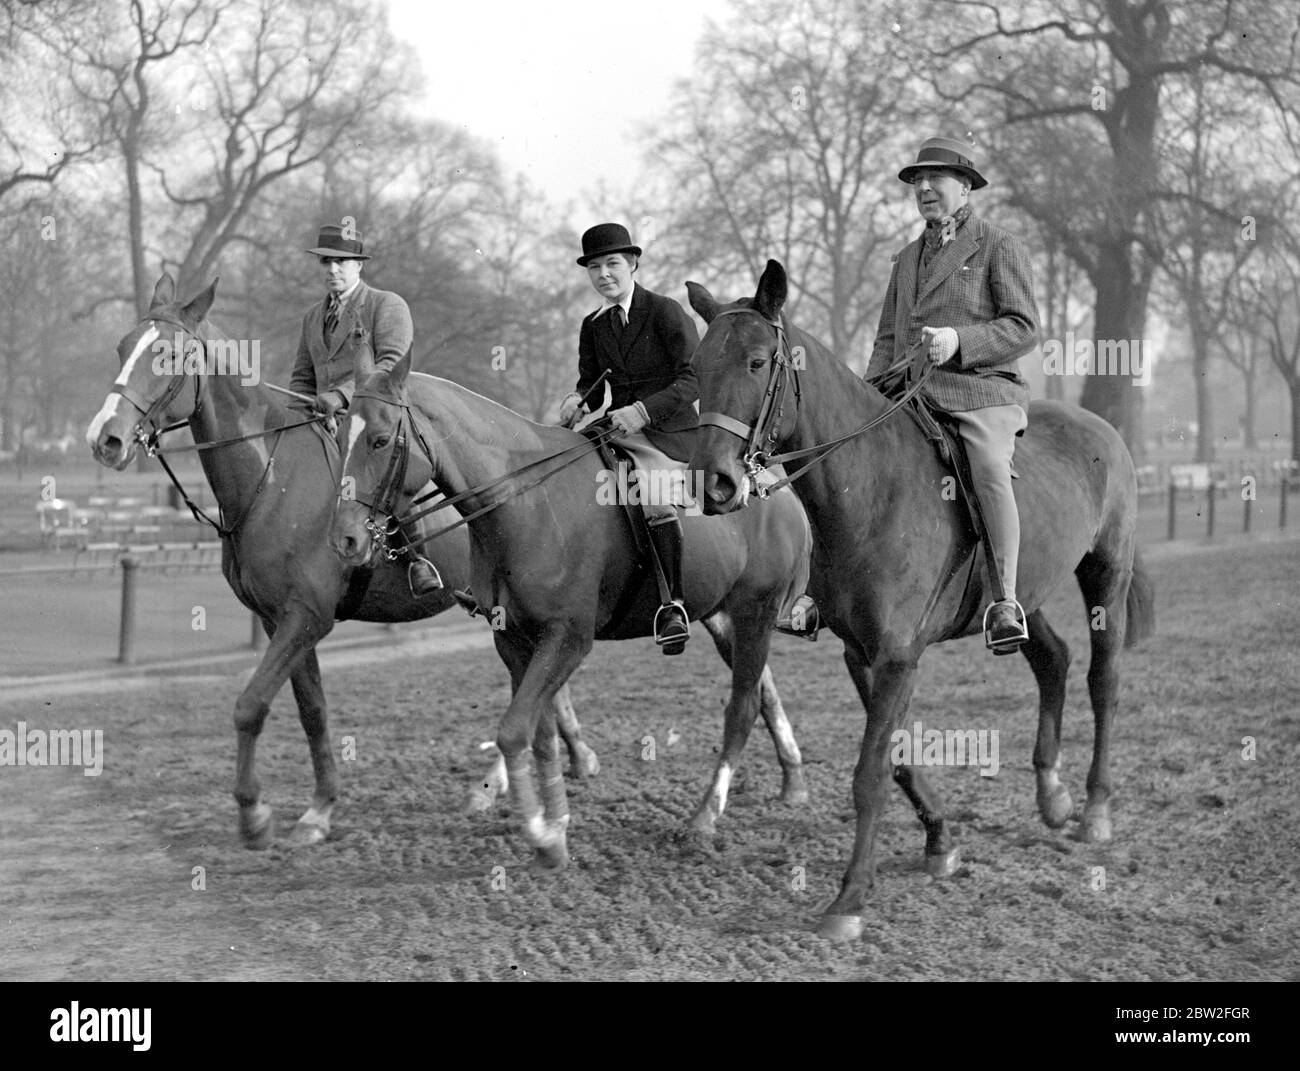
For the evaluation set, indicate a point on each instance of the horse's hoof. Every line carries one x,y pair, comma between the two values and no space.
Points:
305,834
1056,808
585,764
1096,827
257,827
943,864
479,800
795,794
703,824
550,859
840,927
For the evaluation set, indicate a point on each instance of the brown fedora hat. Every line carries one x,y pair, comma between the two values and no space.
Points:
331,243
606,238
947,153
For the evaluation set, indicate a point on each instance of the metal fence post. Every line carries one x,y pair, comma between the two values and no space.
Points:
126,636
1212,493
1173,507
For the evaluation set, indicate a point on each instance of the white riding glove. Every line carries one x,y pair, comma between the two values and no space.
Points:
943,343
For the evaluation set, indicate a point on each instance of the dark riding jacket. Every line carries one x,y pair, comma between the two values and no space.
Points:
651,365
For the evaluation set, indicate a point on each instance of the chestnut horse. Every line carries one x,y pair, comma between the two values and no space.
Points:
897,566
555,566
275,476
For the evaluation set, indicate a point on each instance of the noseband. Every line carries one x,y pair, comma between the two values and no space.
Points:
761,437
150,412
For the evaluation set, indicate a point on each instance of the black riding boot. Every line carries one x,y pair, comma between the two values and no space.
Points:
672,626
421,575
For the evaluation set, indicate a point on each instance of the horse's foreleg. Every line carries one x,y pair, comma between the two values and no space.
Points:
582,760
886,692
537,673
289,639
1049,658
314,825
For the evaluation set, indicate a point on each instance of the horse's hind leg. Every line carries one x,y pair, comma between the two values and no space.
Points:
794,789
582,760
1105,589
1049,658
314,825
748,672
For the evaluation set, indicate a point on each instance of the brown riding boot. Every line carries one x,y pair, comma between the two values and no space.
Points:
1005,629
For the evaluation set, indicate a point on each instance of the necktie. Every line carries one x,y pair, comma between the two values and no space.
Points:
616,320
331,316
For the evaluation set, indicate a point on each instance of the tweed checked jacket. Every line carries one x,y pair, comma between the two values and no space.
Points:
651,365
376,319
981,285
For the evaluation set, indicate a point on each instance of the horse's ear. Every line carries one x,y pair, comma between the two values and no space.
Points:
398,375
164,291
771,291
199,305
702,301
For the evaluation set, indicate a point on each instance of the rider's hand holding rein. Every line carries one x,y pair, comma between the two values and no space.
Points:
942,341
630,419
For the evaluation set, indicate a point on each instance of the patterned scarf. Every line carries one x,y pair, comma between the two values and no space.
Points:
939,232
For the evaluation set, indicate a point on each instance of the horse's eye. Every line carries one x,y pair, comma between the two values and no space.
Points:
381,441
757,363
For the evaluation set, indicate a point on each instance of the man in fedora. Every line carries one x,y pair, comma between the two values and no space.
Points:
964,290
642,343
351,317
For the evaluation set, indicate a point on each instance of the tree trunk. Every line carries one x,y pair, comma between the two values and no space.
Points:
1120,314
1201,380
1250,440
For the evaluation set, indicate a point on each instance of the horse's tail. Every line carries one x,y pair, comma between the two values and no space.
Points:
1140,607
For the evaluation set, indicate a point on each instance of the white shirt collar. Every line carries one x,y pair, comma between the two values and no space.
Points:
626,303
346,296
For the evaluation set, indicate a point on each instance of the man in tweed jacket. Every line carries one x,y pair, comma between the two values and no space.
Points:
351,318
964,288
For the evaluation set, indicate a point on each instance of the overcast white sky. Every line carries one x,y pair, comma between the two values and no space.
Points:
557,85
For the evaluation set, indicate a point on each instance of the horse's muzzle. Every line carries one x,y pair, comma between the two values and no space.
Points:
349,536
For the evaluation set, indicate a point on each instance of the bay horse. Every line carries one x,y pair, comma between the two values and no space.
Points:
275,477
556,568
897,566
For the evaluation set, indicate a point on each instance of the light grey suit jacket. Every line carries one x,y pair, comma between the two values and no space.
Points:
377,320
981,285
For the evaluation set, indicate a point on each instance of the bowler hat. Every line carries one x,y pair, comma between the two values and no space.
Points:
606,238
944,152
332,243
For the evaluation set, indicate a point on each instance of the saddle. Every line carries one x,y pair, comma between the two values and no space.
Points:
647,561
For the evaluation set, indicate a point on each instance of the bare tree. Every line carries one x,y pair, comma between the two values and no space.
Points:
1083,83
780,146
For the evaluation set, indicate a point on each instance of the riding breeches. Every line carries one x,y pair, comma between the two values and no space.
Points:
989,435
662,483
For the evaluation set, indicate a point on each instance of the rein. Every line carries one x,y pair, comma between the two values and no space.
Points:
148,440
389,488
766,429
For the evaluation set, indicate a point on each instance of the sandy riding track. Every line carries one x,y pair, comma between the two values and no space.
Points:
97,874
